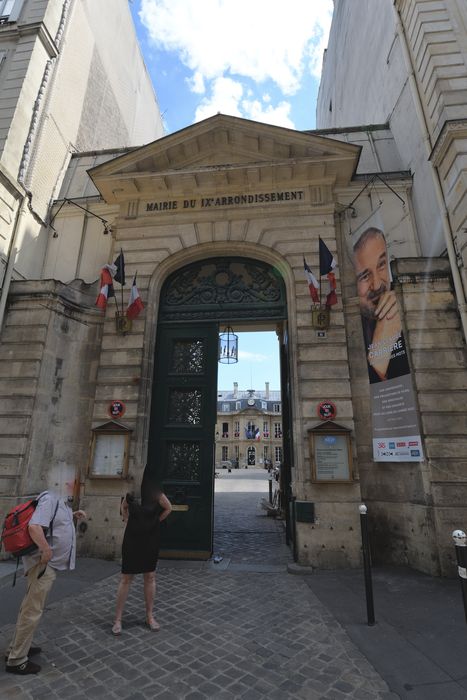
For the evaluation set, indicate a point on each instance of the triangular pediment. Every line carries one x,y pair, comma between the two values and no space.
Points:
224,144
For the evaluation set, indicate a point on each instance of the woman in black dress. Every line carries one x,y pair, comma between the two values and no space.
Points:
140,548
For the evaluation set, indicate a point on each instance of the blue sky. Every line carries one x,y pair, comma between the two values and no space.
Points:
260,60
258,363
257,59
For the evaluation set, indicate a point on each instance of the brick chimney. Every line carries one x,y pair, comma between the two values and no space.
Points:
235,390
267,391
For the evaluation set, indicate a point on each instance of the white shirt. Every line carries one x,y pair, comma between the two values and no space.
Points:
63,540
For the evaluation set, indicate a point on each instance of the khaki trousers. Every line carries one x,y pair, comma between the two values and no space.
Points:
30,613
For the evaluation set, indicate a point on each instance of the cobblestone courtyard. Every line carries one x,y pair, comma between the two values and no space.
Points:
243,628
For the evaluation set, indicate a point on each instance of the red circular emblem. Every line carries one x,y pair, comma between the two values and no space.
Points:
327,410
117,409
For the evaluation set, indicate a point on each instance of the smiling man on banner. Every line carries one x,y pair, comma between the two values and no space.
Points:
381,321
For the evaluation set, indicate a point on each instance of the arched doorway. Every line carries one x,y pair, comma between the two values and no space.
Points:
194,302
251,456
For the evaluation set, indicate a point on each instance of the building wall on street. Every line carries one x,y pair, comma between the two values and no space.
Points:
73,79
49,348
373,84
411,72
160,232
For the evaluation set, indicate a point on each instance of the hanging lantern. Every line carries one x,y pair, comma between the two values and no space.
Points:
228,347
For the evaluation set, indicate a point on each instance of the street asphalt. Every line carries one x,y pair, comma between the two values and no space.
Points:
242,626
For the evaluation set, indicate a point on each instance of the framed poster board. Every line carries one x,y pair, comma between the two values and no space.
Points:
330,454
109,452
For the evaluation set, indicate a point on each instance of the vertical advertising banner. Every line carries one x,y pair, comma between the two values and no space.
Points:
396,434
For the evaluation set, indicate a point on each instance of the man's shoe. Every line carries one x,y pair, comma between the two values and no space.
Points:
33,651
25,669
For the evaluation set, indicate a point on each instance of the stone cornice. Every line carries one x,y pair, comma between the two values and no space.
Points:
12,185
452,130
38,28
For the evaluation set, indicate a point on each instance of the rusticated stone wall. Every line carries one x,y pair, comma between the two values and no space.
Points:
48,365
413,508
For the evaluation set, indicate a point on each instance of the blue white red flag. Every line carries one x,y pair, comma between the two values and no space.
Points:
327,264
135,305
106,289
313,284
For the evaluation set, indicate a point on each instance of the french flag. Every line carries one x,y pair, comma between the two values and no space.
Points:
106,289
313,284
135,305
257,434
326,266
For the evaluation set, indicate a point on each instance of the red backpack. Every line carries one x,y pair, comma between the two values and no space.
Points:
15,534
16,539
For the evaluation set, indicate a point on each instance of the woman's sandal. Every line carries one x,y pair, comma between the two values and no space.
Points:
117,628
152,624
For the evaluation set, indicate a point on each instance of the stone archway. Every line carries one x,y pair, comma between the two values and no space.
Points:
194,301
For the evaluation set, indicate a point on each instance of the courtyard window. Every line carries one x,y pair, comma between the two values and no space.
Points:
277,430
278,454
277,408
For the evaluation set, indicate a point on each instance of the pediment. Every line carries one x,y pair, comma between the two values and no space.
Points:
229,145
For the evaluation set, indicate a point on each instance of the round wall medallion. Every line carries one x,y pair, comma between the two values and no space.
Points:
327,410
117,409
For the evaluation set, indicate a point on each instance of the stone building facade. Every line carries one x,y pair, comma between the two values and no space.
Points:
410,74
72,78
227,208
216,220
249,428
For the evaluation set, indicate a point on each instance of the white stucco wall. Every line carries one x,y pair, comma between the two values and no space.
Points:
365,82
84,89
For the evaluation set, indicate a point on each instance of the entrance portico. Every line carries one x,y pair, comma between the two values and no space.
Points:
228,188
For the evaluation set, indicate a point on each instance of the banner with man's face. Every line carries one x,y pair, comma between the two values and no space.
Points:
396,434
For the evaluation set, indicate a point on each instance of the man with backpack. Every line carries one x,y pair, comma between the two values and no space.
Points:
52,530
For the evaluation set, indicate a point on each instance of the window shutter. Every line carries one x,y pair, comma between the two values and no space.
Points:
16,11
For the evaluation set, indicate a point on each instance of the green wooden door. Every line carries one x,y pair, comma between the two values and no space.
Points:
181,439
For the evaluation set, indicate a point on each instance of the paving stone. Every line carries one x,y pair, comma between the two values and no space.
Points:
226,634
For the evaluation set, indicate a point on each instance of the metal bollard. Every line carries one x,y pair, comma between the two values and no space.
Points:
270,490
460,542
370,610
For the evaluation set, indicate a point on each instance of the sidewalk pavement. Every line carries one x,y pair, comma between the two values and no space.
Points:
244,627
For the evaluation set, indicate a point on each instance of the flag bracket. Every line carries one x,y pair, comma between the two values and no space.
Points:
122,323
320,318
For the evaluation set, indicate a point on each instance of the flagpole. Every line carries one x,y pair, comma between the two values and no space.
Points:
319,263
121,277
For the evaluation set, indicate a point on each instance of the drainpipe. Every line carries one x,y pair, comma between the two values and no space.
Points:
11,259
458,286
